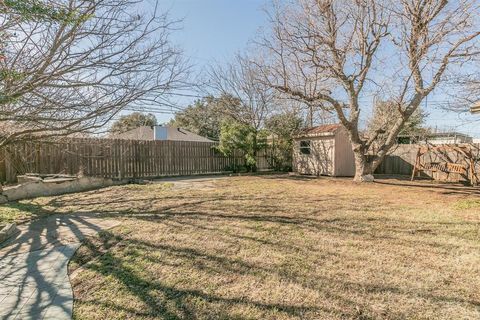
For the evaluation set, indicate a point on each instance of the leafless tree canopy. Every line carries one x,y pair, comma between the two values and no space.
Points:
239,80
338,53
63,76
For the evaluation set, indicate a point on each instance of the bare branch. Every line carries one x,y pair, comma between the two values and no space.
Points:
328,51
70,75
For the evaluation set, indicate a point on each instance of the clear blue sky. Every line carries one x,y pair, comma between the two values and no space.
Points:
214,30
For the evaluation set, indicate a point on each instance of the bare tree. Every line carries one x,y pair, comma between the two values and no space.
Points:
251,99
79,63
132,121
385,115
247,102
342,51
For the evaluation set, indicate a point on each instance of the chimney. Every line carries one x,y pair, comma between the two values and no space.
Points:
160,133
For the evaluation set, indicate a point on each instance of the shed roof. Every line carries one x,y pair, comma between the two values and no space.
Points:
322,130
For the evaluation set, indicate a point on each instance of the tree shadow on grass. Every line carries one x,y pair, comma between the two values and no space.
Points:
440,188
110,265
172,302
397,231
33,266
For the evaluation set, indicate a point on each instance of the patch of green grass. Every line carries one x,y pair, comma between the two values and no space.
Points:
91,201
468,204
20,211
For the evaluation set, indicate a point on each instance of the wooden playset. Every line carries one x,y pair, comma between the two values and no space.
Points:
463,165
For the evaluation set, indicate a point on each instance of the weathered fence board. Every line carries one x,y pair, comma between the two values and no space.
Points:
117,158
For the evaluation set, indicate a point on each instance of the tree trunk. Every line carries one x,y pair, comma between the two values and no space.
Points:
253,168
363,169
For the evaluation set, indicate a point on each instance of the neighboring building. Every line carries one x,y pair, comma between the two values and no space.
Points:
450,137
165,133
324,150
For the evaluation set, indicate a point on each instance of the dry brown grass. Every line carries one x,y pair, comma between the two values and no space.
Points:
278,247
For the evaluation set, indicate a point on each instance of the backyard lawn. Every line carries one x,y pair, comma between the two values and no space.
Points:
276,247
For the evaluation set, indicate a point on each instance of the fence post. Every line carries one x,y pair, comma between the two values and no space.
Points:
3,169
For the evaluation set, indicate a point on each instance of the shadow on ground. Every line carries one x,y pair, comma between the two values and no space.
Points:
33,265
191,253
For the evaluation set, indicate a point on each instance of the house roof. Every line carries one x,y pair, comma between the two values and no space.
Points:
451,134
172,134
140,133
322,130
180,134
433,135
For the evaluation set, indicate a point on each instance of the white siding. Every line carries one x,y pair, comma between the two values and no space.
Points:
320,161
330,155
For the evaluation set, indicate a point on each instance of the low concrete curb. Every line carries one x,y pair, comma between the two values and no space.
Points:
51,187
7,232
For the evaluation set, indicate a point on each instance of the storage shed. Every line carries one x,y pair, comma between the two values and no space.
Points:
324,150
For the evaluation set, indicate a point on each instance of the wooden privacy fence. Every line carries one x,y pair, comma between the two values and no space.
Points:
118,159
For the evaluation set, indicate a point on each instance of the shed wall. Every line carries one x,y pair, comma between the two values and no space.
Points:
321,159
344,157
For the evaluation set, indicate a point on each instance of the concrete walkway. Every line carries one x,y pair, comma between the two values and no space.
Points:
34,280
